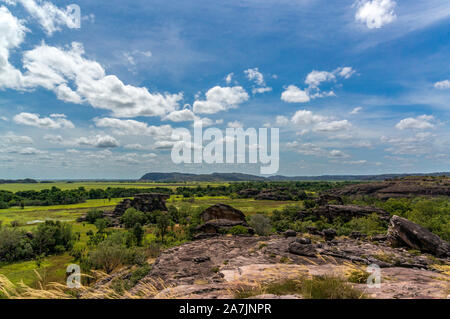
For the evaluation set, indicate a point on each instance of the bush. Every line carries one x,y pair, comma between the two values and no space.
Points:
93,215
238,230
108,256
261,224
132,217
328,287
112,254
53,237
14,245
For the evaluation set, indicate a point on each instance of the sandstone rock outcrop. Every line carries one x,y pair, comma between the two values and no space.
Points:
403,187
211,268
148,202
345,212
403,232
219,219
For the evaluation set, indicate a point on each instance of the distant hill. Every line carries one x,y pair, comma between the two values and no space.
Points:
239,177
18,181
214,177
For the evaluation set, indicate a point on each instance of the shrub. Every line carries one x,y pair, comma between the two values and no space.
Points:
93,215
14,245
261,224
132,217
108,256
53,237
102,224
112,254
328,287
238,230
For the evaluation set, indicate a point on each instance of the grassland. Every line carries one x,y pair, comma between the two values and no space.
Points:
53,267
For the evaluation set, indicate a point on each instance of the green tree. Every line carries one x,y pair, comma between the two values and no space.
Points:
162,223
132,217
138,233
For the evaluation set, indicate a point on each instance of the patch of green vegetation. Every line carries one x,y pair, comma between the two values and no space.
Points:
317,287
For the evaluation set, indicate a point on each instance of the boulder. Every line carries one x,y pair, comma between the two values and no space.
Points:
148,202
222,211
356,235
290,233
403,232
302,249
219,219
329,234
303,241
326,198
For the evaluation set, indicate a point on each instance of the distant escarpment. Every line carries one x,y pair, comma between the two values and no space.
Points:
404,187
239,177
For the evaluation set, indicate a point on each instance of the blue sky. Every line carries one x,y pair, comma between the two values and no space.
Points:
356,87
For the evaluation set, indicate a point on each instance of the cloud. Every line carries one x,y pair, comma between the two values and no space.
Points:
345,72
52,122
55,139
315,78
356,110
258,78
99,141
420,143
74,78
48,15
281,120
12,34
442,84
305,117
26,151
261,90
132,127
181,116
255,76
11,138
229,78
338,154
360,162
136,147
332,126
52,68
422,122
220,99
375,13
295,95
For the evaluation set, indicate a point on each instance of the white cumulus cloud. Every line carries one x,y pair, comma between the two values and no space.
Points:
421,122
220,99
375,13
55,121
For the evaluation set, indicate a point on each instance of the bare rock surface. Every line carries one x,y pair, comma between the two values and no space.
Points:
403,232
216,267
148,202
345,212
402,187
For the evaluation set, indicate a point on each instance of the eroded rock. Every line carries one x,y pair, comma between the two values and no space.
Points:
403,232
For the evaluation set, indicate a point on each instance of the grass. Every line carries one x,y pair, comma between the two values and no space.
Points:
248,206
56,212
53,269
316,287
